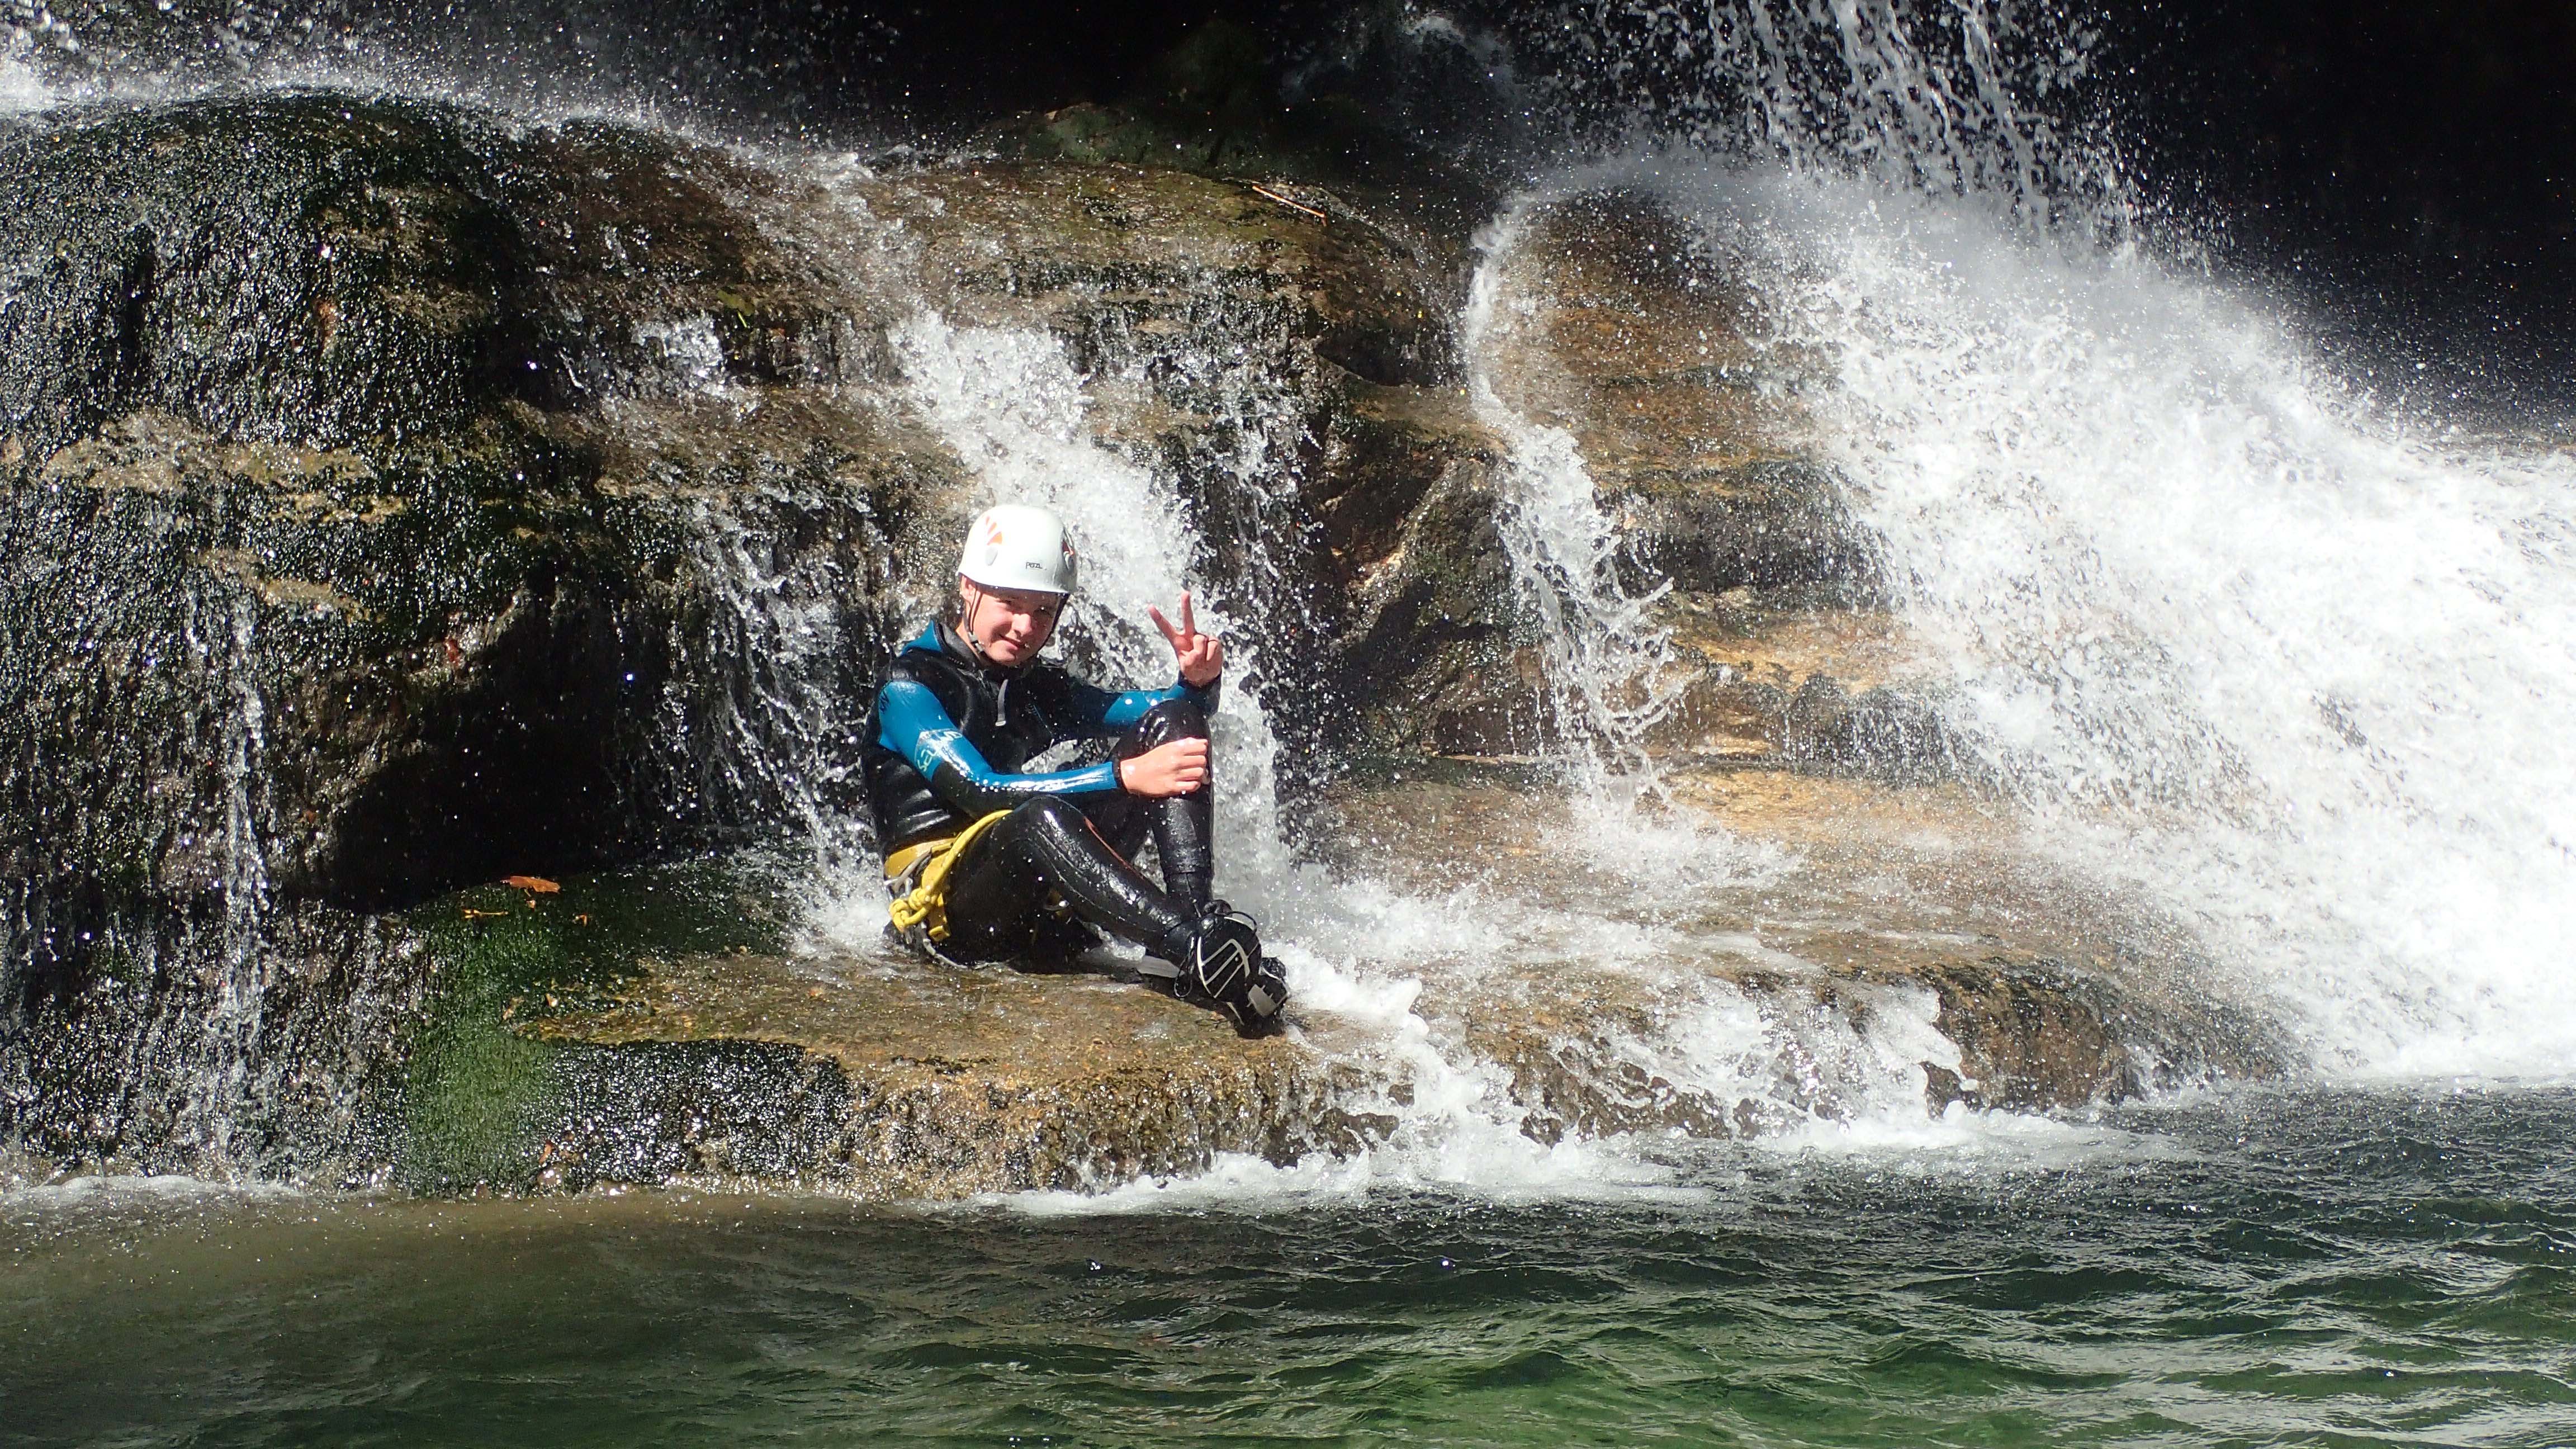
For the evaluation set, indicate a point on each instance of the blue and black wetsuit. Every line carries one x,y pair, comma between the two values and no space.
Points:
949,744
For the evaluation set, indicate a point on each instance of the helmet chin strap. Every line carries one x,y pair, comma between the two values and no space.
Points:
975,596
974,645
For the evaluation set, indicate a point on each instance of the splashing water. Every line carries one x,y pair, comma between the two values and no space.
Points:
21,89
1603,648
2293,666
1972,99
768,656
2235,637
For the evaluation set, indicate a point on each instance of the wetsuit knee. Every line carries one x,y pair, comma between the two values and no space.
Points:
1173,719
1048,846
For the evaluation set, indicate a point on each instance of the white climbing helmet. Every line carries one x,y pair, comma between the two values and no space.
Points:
1014,546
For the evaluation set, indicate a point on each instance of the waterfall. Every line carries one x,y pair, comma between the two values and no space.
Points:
2234,635
2231,633
763,674
235,1018
1603,648
1978,98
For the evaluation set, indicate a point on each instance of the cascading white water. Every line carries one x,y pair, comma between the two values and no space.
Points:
2286,662
226,1057
771,646
2293,665
1963,98
1602,646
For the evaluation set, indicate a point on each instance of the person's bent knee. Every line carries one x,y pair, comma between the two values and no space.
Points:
1173,719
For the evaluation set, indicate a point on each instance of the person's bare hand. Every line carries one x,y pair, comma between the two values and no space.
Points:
1202,656
1170,769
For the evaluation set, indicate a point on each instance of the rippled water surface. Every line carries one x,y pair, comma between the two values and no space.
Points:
2321,1268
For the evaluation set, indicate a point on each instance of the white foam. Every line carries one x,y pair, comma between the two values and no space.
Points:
689,348
117,1189
1965,1142
1520,1171
1603,648
22,90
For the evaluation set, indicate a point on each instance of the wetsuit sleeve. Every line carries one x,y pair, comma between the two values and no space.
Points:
1099,712
914,724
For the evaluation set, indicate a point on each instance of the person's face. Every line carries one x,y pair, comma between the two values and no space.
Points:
1009,625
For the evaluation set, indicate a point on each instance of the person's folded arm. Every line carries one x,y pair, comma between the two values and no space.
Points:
914,724
1099,712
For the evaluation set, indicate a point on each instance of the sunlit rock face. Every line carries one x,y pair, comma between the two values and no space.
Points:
397,499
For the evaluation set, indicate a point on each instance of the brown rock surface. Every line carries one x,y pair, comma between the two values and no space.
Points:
1863,940
1847,899
909,1079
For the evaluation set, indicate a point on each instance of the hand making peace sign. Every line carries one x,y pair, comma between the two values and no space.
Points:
1202,656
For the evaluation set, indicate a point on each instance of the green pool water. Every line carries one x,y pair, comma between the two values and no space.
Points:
2322,1267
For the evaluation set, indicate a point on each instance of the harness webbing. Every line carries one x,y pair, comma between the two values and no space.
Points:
925,906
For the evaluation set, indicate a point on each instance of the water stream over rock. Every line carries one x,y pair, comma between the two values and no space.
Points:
1723,642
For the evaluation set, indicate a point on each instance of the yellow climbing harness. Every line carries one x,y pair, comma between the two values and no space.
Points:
927,863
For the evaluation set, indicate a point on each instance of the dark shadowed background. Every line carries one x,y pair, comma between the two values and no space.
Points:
2404,164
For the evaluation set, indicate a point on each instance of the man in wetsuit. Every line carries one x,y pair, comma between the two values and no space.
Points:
988,862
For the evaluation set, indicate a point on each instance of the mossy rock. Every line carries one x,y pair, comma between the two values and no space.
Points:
648,1027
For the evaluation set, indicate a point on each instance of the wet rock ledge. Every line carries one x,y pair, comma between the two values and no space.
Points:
676,1024
906,1082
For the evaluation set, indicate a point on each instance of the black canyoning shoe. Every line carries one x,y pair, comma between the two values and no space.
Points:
1219,963
1264,999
